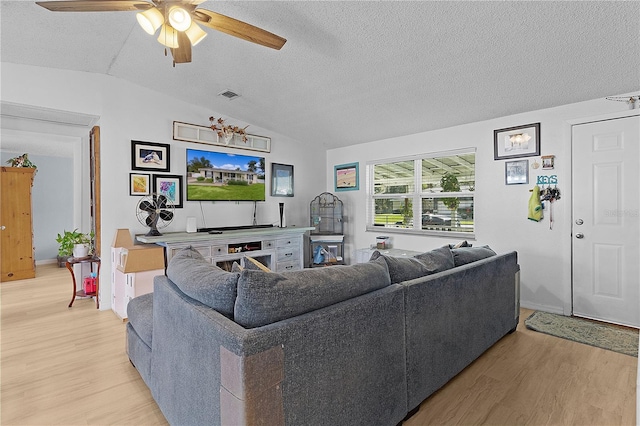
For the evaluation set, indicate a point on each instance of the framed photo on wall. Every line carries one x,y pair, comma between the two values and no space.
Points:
514,142
548,162
281,180
346,177
516,172
170,186
150,156
139,184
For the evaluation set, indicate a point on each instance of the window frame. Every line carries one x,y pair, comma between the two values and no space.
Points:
417,195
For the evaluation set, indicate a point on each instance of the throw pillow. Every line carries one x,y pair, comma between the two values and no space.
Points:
264,298
235,267
459,245
251,263
203,281
408,268
464,255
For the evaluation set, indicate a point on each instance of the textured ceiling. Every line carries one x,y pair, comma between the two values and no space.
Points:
358,71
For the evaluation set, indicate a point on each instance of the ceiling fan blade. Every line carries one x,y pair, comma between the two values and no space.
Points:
95,5
182,54
238,29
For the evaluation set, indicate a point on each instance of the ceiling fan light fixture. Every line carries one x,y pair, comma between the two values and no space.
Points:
168,36
179,18
150,20
195,33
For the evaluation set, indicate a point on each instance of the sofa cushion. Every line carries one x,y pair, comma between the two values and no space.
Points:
464,255
407,268
235,267
140,316
264,298
203,281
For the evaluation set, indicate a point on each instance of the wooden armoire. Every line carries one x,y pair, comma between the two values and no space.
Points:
16,224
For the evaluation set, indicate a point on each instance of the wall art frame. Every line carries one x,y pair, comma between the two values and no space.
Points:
515,142
171,187
150,156
516,172
139,184
548,162
203,134
281,180
346,177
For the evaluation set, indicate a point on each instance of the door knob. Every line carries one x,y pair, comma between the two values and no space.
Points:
579,221
579,235
2,228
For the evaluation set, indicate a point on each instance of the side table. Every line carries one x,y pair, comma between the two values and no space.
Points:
93,260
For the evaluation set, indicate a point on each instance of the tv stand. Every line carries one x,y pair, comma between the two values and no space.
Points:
280,249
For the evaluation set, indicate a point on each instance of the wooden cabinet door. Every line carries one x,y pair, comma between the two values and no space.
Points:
16,224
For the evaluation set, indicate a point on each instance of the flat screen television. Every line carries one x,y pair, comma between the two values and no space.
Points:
219,176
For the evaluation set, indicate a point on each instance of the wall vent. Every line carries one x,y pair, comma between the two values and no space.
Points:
229,94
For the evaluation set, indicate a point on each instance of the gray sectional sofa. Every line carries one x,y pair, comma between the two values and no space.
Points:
363,344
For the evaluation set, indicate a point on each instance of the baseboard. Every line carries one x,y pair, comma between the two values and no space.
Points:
46,261
545,308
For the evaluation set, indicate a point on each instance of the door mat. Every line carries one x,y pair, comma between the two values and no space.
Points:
605,336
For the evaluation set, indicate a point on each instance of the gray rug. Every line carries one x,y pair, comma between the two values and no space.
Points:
605,336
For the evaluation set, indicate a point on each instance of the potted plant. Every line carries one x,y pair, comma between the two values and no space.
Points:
73,243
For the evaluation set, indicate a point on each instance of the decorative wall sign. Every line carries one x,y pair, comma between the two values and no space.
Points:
170,186
150,156
516,172
281,180
139,184
514,142
204,134
346,177
547,180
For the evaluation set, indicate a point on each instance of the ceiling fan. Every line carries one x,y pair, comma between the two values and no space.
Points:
177,19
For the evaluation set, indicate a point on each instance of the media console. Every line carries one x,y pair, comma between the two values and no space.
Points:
280,249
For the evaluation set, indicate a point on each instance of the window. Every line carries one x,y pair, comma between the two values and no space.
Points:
425,194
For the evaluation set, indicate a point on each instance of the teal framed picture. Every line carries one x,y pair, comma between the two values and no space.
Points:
346,177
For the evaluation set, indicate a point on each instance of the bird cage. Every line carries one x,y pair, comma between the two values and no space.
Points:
326,214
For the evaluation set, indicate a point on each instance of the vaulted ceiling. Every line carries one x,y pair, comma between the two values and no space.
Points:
357,71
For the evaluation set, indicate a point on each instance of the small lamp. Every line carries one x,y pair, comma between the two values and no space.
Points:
168,36
179,18
195,33
150,20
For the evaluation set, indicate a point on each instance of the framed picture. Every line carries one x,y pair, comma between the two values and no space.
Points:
281,180
346,177
547,161
519,141
170,186
139,184
516,172
150,156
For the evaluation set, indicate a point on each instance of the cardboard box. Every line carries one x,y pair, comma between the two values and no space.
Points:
141,258
122,238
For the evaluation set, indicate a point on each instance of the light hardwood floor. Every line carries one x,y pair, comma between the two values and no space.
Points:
68,366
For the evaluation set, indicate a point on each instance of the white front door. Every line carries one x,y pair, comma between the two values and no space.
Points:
606,220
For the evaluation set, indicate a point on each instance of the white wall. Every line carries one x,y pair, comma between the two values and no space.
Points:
500,210
129,112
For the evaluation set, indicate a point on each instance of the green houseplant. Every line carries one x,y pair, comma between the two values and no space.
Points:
70,243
